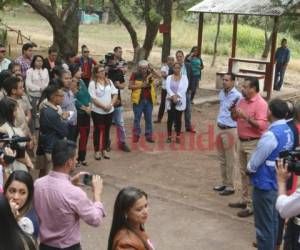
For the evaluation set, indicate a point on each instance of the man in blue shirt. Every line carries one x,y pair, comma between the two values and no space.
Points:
227,134
261,168
282,58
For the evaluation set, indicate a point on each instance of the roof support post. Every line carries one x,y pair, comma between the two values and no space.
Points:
234,36
233,42
270,67
200,32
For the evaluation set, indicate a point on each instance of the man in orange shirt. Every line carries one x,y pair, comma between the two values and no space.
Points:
251,116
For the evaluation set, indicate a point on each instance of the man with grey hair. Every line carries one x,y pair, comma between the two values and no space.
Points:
143,97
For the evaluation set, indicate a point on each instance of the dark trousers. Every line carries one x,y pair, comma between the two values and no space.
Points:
74,247
162,105
174,117
265,218
188,112
83,131
102,124
292,236
72,132
279,76
194,86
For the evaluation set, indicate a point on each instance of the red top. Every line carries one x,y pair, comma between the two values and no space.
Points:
86,67
256,108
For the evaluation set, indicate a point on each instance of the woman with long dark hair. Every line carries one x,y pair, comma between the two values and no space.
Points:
197,66
130,214
12,237
18,190
37,79
83,103
176,86
104,96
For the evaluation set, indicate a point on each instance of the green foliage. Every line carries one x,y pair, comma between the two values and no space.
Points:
154,16
250,39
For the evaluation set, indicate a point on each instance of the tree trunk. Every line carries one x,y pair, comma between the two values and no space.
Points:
166,46
216,41
130,29
65,26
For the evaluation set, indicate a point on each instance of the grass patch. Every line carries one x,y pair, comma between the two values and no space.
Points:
250,39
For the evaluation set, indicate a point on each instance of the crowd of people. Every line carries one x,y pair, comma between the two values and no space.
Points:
256,136
48,106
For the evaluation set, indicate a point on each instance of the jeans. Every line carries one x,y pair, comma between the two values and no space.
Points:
102,124
279,76
162,105
174,116
188,112
118,120
194,86
265,218
83,130
144,107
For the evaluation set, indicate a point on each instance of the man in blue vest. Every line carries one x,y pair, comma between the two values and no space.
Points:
261,168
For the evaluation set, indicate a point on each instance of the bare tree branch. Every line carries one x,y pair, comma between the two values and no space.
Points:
53,5
126,23
44,10
68,9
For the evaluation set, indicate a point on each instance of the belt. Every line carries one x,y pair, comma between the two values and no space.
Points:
248,139
222,126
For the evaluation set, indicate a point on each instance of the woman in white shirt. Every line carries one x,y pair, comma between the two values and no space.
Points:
176,86
104,96
37,79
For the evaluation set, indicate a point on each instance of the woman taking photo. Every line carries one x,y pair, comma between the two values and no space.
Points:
197,66
176,86
83,103
8,112
18,190
86,64
104,96
12,237
130,214
37,79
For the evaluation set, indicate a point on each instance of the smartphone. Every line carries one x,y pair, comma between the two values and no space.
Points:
87,179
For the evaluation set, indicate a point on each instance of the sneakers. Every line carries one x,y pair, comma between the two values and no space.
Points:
227,191
245,213
150,140
242,205
105,155
97,156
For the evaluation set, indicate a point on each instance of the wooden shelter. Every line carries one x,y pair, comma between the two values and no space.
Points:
271,8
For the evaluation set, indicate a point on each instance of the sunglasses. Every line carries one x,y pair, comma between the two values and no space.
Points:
86,51
2,51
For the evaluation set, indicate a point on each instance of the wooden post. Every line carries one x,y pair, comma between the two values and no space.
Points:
234,36
233,42
270,68
200,33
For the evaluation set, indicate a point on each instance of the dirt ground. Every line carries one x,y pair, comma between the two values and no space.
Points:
185,213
